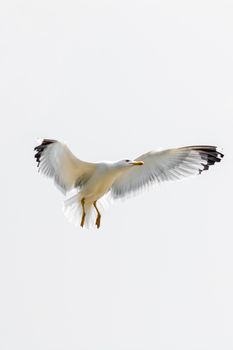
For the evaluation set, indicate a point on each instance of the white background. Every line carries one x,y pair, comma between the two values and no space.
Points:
115,79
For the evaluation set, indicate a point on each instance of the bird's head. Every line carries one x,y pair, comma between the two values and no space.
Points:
127,163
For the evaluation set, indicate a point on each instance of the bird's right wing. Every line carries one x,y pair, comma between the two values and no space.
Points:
55,160
170,164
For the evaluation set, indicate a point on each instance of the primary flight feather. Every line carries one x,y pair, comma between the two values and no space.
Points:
94,180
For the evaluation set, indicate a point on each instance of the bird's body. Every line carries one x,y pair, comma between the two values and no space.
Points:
93,180
100,182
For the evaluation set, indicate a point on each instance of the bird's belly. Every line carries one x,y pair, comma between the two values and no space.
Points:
96,189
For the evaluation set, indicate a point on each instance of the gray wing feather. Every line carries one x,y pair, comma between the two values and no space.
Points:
56,161
167,165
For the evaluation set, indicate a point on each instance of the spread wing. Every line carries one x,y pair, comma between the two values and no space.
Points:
171,164
55,160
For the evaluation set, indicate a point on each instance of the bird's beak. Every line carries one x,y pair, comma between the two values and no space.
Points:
139,162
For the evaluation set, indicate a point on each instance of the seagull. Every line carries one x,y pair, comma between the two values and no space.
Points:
91,181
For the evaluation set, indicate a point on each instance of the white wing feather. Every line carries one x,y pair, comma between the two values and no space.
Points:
55,160
171,164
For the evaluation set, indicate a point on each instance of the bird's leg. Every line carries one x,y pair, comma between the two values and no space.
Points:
98,215
84,214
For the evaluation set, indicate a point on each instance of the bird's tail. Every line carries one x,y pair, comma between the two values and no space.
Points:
73,210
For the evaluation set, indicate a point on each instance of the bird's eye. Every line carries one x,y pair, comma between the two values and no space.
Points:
127,160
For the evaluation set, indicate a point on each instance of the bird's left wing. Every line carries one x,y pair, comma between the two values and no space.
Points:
171,164
55,160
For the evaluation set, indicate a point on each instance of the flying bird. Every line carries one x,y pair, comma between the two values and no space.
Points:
94,180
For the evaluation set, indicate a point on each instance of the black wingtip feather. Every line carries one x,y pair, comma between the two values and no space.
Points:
40,148
210,154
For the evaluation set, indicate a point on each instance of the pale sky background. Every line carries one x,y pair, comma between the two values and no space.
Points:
115,79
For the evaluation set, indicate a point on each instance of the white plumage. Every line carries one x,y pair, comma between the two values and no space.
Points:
94,180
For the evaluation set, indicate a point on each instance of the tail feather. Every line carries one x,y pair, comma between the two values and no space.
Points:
73,211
